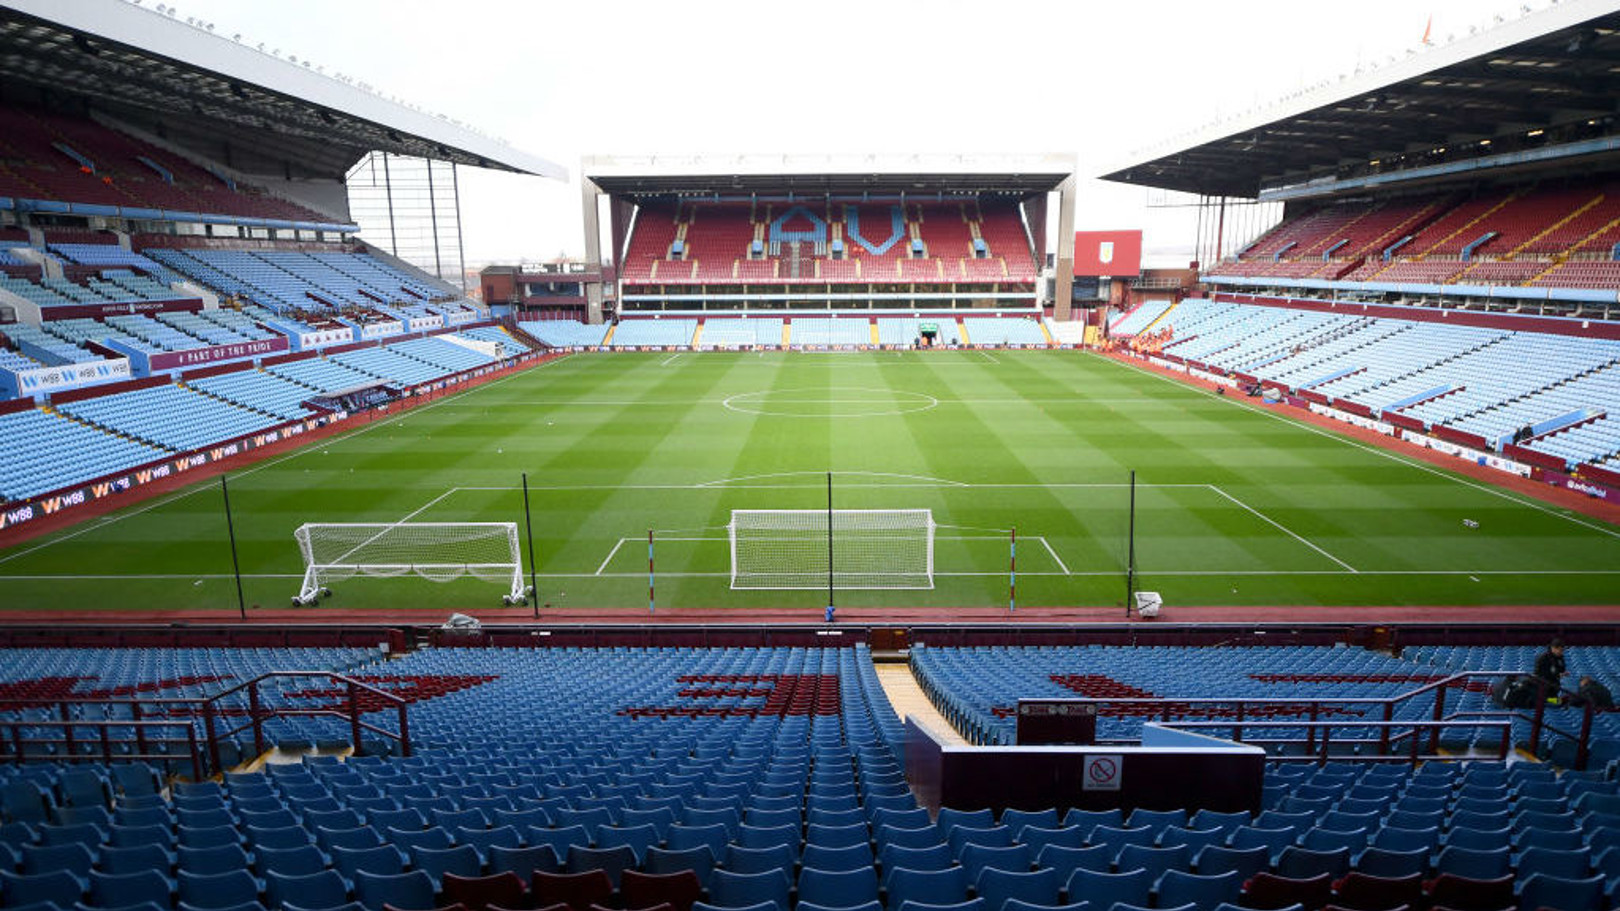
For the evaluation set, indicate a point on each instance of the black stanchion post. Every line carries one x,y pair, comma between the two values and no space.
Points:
236,565
1130,551
528,524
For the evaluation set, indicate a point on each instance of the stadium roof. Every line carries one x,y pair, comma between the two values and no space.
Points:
1556,66
179,79
834,174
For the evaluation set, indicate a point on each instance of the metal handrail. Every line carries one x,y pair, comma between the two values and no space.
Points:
69,742
210,709
1314,705
257,713
1321,753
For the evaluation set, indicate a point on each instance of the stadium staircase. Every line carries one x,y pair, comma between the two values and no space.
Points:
608,339
697,335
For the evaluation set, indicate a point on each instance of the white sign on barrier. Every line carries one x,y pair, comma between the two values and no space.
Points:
68,376
1383,427
1487,459
1102,772
324,337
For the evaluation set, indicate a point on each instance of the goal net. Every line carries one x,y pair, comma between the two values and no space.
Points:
440,551
870,548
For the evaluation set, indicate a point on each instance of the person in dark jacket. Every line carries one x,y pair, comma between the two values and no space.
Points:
1550,669
1591,692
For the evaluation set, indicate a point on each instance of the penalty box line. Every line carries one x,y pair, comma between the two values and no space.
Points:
1280,527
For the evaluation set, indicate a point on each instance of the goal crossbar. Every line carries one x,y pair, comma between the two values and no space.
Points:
789,549
439,551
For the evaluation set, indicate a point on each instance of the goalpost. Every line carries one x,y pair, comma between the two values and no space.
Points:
439,551
788,549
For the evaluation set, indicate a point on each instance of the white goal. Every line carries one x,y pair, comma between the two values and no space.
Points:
440,551
870,548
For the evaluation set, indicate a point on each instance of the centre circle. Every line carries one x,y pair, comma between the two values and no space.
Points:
831,402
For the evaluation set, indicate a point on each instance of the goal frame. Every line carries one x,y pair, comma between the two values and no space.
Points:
318,574
819,577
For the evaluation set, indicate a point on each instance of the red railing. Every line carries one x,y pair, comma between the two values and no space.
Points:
257,713
147,716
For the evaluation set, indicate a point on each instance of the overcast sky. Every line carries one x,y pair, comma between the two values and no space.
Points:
1094,78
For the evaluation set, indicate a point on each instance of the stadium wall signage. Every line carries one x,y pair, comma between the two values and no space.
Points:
20,383
196,357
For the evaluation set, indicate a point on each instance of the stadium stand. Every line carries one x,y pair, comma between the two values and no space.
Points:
733,333
1501,385
656,333
1557,235
821,331
564,333
983,330
60,158
710,243
759,769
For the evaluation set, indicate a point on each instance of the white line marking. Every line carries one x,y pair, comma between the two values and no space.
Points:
1280,527
1048,546
641,574
671,359
713,485
343,437
939,482
988,356
1383,453
609,558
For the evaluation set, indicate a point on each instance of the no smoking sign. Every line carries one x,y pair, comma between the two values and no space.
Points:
1101,772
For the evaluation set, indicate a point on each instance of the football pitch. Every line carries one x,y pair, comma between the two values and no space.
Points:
1236,504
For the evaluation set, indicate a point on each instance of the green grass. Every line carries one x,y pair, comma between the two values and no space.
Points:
1236,505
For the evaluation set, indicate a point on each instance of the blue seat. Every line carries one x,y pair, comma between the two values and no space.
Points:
522,860
660,818
744,890
1296,823
1296,862
1541,890
759,860
462,860
838,888
1396,838
821,816
976,858
136,859
1216,859
218,890
933,857
218,859
1215,819
411,891
384,859
1154,860
75,858
1273,841
812,906
406,819
1038,837
1119,838
116,890
975,904
1479,839
698,859
88,834
1157,820
1177,888
482,840
1016,904
1568,863
637,838
920,837
1104,890
757,906
849,857
59,888
836,836
1016,820
996,886
1393,864
560,840
1065,860
1473,864
320,889
1089,819
612,861
1195,840
913,817
356,839
1322,838
931,887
